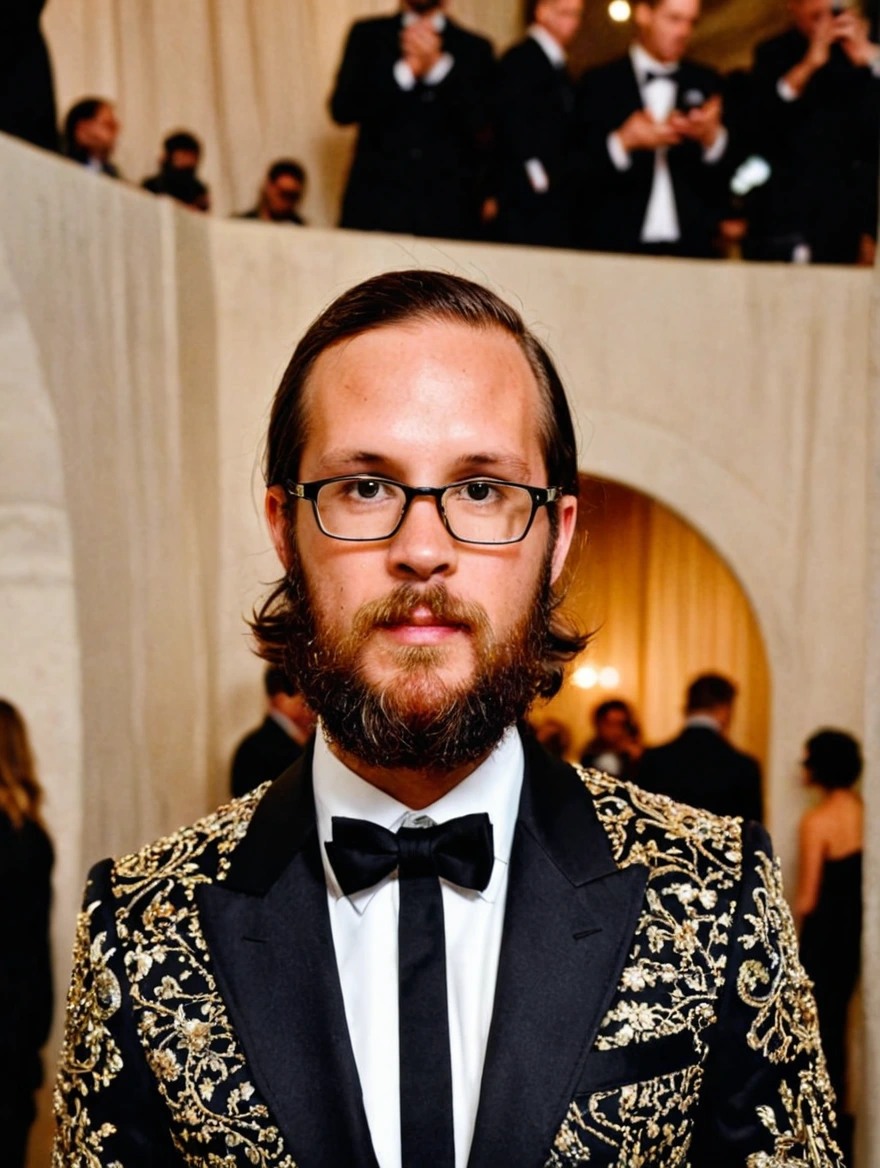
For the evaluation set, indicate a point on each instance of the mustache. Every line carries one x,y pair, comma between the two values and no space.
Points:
400,604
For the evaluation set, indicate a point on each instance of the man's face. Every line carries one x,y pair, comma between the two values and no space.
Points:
183,160
808,14
427,405
283,195
561,18
98,134
666,31
613,729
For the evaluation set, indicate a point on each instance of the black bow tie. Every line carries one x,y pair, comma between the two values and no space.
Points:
460,851
649,76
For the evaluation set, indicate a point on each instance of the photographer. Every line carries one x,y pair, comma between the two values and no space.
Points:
816,95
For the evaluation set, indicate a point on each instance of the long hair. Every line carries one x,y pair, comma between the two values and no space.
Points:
396,298
20,792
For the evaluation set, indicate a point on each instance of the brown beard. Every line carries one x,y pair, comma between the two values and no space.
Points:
416,721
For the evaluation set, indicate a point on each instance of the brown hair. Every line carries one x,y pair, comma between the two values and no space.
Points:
20,791
404,297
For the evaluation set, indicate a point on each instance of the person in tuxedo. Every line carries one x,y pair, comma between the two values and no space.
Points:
816,121
27,91
419,87
700,767
26,860
534,120
615,746
181,154
278,741
429,943
281,194
90,132
653,142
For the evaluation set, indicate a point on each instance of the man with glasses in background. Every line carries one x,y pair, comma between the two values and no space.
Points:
429,943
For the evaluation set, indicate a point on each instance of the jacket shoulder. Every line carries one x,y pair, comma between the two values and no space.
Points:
198,854
608,74
645,828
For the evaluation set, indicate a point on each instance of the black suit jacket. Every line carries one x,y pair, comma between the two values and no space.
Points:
420,156
823,151
262,756
27,93
701,768
614,202
649,1006
534,119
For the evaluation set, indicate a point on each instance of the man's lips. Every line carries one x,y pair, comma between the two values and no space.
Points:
423,627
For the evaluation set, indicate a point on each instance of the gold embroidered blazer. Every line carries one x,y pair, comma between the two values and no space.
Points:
650,1008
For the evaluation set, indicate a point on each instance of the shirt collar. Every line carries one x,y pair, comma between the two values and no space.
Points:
494,787
438,20
644,63
551,46
704,720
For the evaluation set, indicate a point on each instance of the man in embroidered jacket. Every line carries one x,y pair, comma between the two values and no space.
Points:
621,984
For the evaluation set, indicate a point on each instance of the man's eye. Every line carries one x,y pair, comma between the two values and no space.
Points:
366,489
478,492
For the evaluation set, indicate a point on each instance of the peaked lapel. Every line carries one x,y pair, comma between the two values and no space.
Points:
569,922
268,931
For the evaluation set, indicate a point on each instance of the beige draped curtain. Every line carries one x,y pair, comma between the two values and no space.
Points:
665,607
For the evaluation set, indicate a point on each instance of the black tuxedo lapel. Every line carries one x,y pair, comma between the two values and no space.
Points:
268,932
571,914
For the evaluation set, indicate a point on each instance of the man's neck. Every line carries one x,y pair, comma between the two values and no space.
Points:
416,789
650,57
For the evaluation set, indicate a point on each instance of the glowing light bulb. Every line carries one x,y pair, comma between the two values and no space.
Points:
619,11
609,678
585,677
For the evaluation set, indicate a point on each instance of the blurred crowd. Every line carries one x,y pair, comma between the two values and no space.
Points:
653,153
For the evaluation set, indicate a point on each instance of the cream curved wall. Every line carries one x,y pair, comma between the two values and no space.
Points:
141,347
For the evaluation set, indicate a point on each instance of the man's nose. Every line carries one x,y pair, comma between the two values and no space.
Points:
422,548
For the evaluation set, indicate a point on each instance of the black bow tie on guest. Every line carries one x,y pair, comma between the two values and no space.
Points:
461,852
667,76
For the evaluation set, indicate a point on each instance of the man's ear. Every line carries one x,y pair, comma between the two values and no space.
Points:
567,517
276,517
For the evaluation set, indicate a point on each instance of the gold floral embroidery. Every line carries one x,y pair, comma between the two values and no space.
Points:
679,956
641,1125
807,1140
90,1059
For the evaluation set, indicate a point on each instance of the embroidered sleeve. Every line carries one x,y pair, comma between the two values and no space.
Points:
767,1101
105,1110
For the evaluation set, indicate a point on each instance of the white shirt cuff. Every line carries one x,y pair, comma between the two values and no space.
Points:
440,71
403,75
785,91
716,151
617,152
537,176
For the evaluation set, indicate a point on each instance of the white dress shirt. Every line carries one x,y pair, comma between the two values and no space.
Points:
404,75
659,97
364,928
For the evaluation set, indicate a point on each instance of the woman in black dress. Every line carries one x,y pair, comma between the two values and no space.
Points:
25,965
829,895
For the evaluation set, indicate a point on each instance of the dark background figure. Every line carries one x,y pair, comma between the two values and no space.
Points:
26,860
181,154
27,93
534,121
90,132
828,903
554,736
817,122
281,194
654,146
276,744
615,746
419,87
700,767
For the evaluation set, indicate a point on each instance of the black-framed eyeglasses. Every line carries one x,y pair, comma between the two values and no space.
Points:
368,508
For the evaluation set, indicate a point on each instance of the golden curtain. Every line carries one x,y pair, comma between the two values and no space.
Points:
665,607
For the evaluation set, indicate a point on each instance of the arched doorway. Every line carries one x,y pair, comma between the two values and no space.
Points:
665,607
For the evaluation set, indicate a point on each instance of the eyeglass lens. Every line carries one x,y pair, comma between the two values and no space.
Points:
477,511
